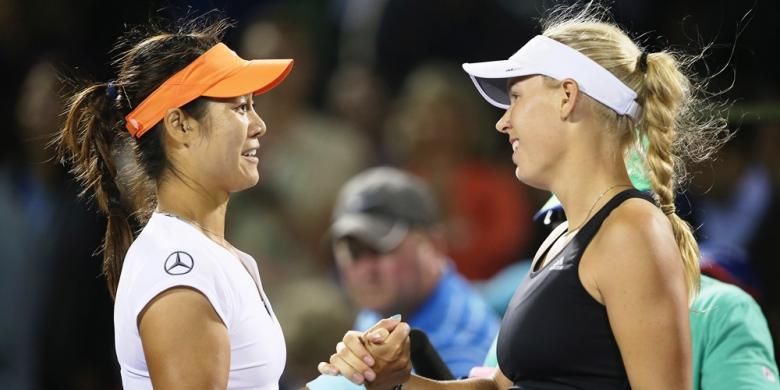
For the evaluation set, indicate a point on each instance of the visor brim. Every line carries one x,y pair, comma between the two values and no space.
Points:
256,77
491,79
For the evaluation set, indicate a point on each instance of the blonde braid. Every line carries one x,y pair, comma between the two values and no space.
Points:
664,93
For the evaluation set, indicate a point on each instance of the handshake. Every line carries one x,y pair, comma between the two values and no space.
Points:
378,358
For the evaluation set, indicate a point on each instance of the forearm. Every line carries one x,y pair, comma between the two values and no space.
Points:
420,383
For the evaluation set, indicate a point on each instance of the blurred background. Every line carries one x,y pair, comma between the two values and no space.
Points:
375,82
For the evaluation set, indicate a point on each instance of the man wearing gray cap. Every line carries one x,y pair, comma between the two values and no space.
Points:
389,249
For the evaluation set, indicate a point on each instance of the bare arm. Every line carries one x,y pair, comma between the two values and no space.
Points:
185,342
420,383
636,267
498,382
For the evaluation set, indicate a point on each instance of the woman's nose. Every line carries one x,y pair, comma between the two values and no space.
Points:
503,123
258,126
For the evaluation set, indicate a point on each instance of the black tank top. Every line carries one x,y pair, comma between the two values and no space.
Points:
554,334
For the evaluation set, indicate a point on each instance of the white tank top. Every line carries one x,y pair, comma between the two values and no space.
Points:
170,252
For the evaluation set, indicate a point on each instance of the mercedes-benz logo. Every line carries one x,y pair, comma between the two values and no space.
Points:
179,263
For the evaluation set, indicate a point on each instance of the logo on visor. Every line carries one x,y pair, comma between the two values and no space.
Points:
511,69
179,263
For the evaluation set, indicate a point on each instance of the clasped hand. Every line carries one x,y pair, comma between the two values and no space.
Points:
378,357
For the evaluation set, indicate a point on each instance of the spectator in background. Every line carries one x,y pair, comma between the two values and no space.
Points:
390,253
436,133
732,346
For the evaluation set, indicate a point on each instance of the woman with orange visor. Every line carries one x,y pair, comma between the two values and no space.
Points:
160,149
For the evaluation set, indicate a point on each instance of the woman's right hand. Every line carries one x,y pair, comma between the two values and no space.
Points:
378,357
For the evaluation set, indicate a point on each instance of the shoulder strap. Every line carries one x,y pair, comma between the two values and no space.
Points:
594,224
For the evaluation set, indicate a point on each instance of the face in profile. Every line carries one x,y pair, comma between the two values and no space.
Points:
531,124
227,153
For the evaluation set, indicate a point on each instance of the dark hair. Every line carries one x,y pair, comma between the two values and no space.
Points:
117,171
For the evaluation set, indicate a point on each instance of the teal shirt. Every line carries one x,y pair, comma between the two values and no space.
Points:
732,347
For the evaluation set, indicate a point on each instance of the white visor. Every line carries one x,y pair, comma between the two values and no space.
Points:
545,56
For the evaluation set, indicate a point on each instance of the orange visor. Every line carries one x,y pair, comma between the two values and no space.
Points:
219,73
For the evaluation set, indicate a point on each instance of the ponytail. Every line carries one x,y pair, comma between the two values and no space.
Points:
664,94
87,143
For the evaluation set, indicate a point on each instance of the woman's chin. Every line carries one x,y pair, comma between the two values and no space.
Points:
521,174
529,179
253,181
248,182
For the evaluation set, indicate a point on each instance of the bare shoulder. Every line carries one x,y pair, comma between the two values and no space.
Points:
635,230
635,245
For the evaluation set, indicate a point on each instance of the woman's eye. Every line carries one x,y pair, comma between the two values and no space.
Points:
243,108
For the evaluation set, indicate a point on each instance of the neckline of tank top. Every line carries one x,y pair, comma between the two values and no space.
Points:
532,273
547,249
235,252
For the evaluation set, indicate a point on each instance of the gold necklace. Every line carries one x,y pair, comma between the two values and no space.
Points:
569,230
203,229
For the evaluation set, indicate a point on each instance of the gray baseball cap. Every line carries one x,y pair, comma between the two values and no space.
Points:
380,205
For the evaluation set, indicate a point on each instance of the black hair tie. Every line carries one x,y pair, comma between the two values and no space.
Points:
111,90
642,62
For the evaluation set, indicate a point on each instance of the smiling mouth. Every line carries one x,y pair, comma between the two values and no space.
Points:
515,145
250,153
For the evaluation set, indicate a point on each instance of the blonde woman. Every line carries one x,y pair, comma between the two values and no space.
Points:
605,305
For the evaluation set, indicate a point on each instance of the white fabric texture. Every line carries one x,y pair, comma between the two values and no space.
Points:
546,56
170,252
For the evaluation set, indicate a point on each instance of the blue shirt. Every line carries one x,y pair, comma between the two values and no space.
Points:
459,324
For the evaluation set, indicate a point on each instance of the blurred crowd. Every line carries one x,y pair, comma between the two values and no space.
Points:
374,83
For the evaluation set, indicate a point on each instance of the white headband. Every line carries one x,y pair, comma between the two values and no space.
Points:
542,55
